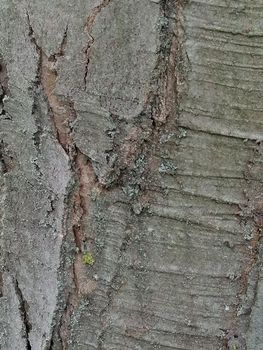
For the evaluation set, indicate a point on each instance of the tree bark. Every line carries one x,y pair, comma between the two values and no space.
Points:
131,174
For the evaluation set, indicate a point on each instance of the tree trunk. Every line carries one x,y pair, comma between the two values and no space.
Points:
131,174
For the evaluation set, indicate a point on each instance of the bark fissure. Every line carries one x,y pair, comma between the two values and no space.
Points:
161,100
4,89
46,77
86,180
23,308
36,87
3,162
63,115
88,29
136,148
160,104
6,158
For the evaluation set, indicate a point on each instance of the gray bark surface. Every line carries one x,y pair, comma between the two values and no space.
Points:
131,174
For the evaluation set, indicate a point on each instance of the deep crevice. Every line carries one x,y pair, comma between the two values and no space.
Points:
4,89
80,166
35,88
6,158
23,308
160,105
45,82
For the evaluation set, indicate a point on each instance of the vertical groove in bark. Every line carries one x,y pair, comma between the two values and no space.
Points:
5,158
88,28
86,181
134,165
63,115
24,315
4,90
162,101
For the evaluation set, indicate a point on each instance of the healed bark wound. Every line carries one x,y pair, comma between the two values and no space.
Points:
63,115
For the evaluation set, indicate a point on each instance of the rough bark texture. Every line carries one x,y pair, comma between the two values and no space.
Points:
131,174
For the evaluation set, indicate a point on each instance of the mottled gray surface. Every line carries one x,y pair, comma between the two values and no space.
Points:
131,136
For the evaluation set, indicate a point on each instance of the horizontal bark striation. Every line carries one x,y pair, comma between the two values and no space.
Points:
131,172
219,164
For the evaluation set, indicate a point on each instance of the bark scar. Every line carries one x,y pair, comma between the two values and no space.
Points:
63,114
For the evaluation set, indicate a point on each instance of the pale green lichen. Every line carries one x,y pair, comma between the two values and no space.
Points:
88,259
234,347
183,133
131,190
167,167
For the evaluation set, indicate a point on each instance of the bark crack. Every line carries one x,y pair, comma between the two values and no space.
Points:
162,98
86,181
6,158
23,308
4,89
136,151
63,115
88,29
